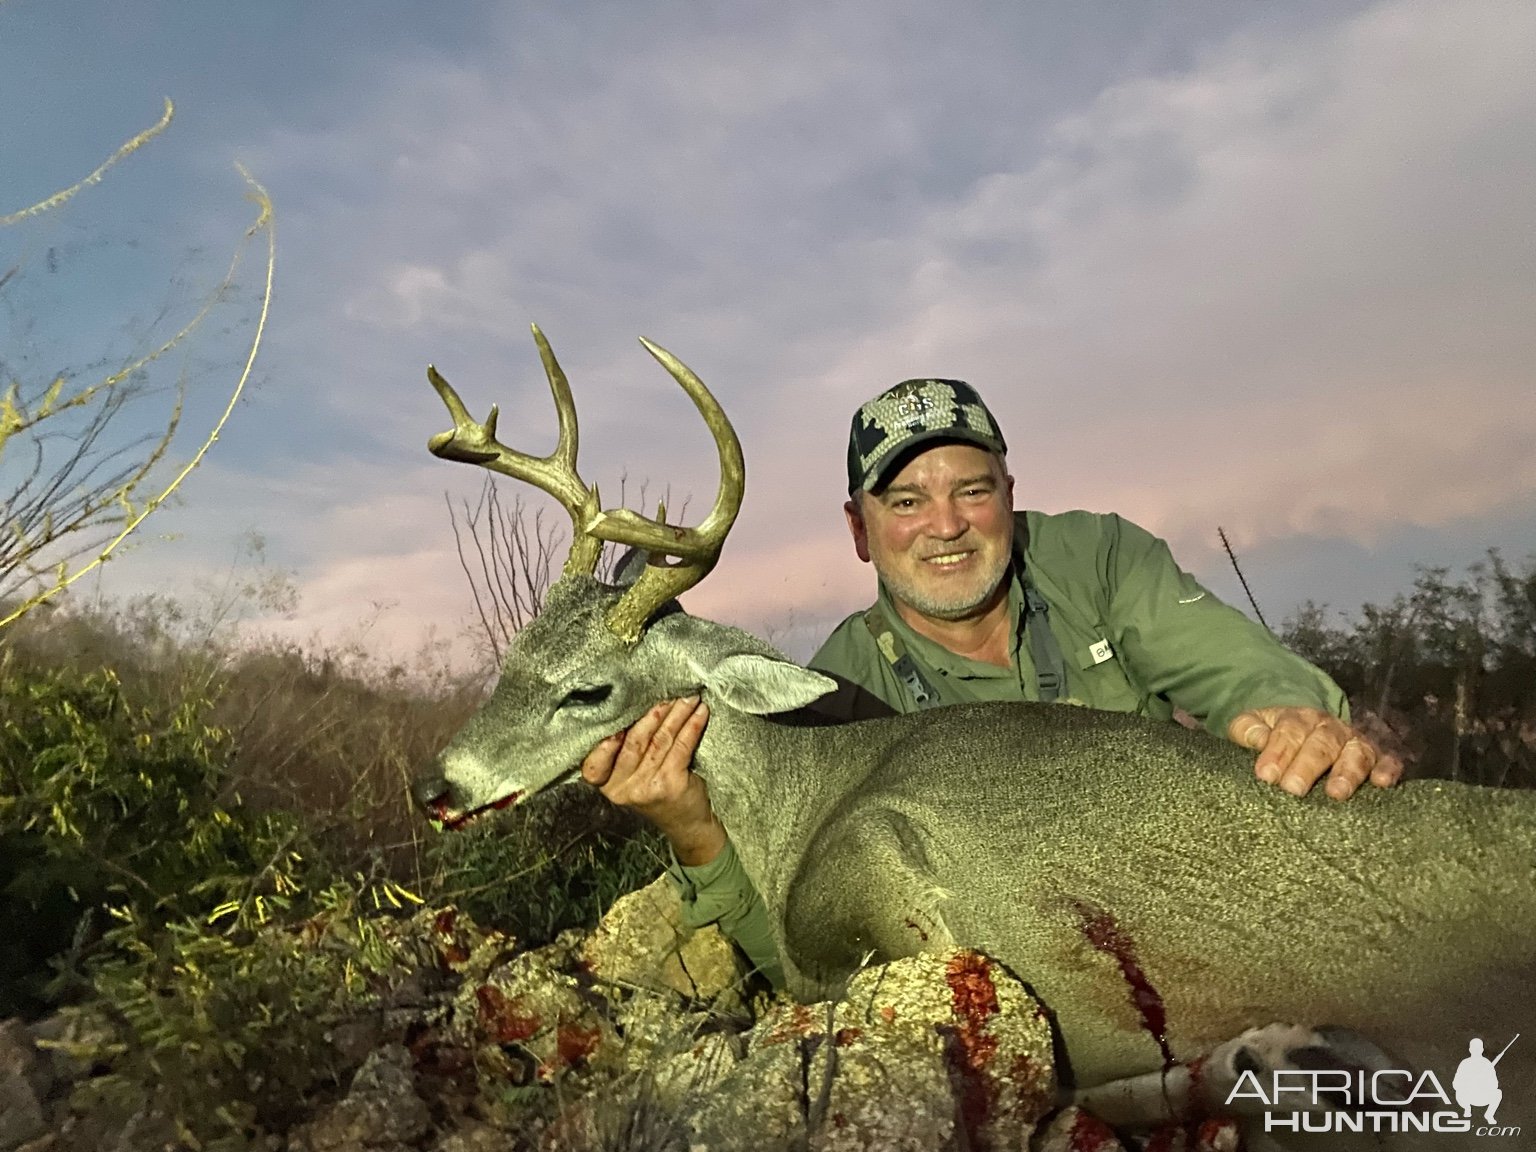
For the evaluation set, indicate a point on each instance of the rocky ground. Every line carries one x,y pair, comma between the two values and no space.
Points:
634,1036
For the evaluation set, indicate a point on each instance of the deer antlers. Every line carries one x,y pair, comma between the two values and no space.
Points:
695,549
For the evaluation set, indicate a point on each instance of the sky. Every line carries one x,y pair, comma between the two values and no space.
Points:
1269,267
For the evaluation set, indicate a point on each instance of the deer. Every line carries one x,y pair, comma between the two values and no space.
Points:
1156,898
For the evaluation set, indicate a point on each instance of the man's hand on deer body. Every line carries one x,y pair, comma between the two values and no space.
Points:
648,769
1297,746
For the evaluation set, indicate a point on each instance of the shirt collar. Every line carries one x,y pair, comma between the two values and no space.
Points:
934,655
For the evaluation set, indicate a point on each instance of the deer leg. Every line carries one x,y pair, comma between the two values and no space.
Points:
871,897
1209,1085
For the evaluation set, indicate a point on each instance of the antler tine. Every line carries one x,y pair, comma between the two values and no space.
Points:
474,443
697,549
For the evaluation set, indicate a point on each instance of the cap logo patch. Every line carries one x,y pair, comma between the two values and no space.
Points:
921,407
912,411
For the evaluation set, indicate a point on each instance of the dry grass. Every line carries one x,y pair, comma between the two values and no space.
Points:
327,733
333,736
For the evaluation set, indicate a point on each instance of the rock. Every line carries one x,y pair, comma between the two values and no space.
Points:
149,1130
577,1045
528,1020
474,1136
643,943
353,1040
1075,1130
99,1109
381,1110
922,1053
115,1116
23,1087
76,1043
917,1053
630,1119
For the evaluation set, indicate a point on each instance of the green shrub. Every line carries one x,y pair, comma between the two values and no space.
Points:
232,1031
557,862
175,893
104,802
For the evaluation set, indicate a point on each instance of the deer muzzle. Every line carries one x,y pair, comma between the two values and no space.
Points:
436,797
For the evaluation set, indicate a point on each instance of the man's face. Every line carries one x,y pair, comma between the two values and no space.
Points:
941,532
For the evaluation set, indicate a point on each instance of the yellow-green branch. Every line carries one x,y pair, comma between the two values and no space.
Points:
134,518
130,147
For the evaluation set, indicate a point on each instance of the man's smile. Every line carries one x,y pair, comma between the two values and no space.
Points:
947,559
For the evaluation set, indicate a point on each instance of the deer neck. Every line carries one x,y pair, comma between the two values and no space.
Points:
773,784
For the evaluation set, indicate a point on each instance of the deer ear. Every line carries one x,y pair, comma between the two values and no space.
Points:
760,684
627,569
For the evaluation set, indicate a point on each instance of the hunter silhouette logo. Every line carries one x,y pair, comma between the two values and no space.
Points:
1477,1080
1383,1100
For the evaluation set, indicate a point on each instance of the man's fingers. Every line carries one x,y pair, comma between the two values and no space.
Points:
1313,756
654,764
1354,763
665,738
1327,745
597,768
1249,730
637,741
1276,734
693,730
1286,736
1298,746
1388,771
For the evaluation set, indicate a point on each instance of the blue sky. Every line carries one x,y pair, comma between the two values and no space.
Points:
1265,266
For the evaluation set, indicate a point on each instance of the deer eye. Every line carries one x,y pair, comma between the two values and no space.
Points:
586,697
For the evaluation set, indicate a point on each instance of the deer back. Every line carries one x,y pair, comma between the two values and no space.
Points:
1157,897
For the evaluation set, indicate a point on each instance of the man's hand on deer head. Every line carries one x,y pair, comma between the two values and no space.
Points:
1298,746
648,769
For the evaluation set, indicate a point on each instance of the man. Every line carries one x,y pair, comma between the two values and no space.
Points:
977,602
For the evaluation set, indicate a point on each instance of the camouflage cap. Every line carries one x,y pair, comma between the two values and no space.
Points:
910,413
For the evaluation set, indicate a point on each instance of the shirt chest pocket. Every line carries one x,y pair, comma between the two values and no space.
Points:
1098,677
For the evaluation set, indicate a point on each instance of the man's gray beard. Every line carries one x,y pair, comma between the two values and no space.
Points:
940,609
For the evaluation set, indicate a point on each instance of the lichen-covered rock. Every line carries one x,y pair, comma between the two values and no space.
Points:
530,1019
1074,1130
642,942
71,1043
23,1086
917,1052
474,1136
928,1052
488,1049
453,936
690,1076
381,1110
654,1024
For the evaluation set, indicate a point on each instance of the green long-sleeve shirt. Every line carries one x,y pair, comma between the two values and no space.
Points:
1136,634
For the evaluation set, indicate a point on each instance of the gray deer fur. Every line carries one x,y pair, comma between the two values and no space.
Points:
1156,897
1025,830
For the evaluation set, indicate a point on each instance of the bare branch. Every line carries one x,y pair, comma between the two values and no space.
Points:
66,194
514,554
114,502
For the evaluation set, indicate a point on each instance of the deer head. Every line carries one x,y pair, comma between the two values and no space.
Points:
598,656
